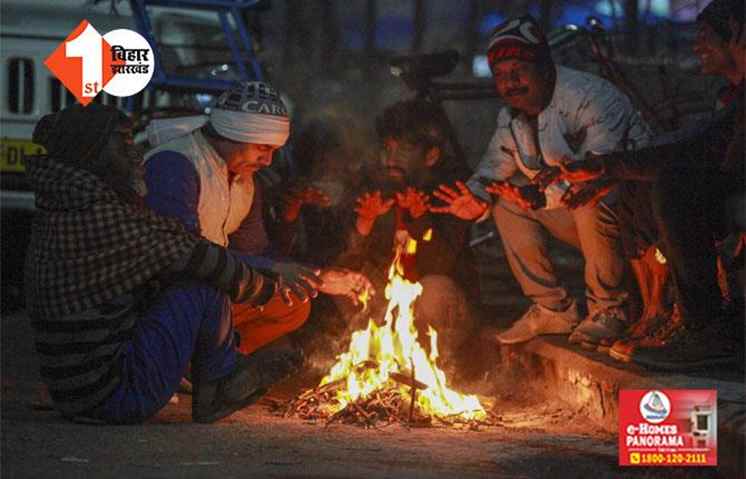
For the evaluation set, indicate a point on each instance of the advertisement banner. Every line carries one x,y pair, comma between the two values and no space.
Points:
668,427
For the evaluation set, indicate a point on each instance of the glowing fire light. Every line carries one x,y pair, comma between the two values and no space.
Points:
393,348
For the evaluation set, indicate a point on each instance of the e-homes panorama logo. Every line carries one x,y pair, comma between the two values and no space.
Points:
119,63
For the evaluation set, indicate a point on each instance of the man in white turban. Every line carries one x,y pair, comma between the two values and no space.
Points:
204,174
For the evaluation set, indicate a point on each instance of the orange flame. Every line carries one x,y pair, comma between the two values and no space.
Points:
394,347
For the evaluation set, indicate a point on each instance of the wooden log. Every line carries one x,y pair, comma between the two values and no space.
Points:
407,380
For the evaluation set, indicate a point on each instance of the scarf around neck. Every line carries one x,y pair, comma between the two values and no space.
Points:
89,246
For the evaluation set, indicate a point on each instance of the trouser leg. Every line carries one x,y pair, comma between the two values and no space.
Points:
598,232
685,206
187,321
260,327
524,237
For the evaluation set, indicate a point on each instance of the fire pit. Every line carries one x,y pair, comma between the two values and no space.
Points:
386,376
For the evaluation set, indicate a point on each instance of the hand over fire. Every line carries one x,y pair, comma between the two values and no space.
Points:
300,280
460,202
344,282
573,171
414,201
369,207
299,195
527,196
588,194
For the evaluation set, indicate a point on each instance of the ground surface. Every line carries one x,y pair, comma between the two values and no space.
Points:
540,438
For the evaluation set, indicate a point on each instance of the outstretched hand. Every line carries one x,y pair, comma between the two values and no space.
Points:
527,196
414,201
459,202
369,207
300,280
344,282
372,205
589,169
589,194
546,177
573,171
300,195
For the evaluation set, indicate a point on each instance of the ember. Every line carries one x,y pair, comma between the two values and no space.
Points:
386,376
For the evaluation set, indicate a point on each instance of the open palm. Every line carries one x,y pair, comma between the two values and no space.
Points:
460,202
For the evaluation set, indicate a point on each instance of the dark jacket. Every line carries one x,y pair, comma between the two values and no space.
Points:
713,146
447,252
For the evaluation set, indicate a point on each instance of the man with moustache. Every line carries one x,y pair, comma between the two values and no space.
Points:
206,178
413,160
697,184
121,299
552,114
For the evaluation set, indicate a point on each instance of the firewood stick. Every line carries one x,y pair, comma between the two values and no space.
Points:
413,392
407,380
328,387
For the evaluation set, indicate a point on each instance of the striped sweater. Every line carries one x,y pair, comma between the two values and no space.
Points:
78,352
91,257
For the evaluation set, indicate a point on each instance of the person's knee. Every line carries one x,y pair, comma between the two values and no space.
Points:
197,292
443,305
299,314
503,212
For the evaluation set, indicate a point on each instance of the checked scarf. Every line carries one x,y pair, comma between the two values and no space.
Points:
88,246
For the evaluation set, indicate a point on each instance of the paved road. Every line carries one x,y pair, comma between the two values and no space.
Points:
541,438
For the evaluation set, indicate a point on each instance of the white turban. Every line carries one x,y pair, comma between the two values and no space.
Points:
252,112
245,127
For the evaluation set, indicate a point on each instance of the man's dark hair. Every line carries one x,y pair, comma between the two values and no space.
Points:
718,12
415,121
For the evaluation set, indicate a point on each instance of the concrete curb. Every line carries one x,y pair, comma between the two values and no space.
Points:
590,382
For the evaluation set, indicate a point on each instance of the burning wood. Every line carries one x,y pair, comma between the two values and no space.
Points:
384,407
386,376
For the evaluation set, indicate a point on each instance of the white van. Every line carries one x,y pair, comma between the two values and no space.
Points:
29,32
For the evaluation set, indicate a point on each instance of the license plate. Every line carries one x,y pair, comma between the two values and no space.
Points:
13,154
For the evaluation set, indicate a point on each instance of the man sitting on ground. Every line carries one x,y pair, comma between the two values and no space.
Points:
206,179
121,300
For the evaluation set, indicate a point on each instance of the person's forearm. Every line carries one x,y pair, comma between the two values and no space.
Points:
227,272
364,225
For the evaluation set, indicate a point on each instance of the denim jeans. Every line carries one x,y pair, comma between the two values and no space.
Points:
188,321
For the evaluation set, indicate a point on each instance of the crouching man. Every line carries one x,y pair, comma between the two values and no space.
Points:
207,179
121,299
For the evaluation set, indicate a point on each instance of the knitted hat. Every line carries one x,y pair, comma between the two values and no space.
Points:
77,135
718,12
520,38
251,112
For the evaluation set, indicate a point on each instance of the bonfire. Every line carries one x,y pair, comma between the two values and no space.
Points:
386,376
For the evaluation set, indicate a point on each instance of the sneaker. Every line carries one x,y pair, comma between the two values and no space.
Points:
253,375
540,320
598,332
689,350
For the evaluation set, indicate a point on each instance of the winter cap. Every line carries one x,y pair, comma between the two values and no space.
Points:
718,12
78,134
251,112
519,38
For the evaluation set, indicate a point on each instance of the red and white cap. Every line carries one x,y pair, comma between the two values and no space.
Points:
519,38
